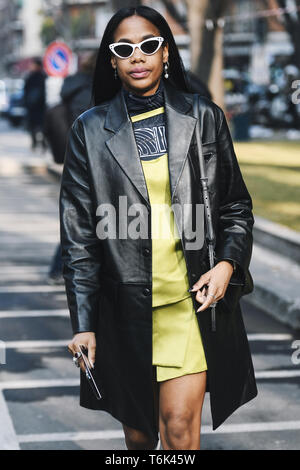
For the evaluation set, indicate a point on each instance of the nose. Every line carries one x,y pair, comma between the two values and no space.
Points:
137,54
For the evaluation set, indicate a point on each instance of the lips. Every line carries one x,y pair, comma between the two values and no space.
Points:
139,73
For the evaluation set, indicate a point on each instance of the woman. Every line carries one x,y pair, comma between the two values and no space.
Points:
151,344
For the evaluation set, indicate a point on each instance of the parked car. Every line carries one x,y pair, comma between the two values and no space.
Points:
16,112
3,98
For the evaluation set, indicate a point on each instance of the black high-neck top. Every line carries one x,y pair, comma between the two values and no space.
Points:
148,120
136,103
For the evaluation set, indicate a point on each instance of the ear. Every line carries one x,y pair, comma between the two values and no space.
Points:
113,62
166,52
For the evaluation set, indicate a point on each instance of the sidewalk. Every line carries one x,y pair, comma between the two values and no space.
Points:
275,268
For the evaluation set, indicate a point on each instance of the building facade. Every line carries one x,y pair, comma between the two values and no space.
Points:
20,22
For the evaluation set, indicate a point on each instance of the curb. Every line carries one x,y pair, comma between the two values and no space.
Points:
277,237
284,310
275,267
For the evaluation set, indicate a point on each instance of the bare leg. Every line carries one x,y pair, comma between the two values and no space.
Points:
180,408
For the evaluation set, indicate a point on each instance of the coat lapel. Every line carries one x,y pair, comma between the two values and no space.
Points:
122,145
180,130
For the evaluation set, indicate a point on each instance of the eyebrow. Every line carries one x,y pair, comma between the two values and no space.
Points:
144,37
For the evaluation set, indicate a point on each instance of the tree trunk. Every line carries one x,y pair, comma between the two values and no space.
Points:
216,81
207,44
292,25
196,14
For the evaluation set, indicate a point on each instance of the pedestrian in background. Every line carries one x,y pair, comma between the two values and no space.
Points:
35,102
76,95
76,92
134,300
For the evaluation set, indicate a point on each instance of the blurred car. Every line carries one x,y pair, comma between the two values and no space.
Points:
3,98
13,95
16,111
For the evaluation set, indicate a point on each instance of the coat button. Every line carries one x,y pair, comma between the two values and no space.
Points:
146,291
193,275
146,252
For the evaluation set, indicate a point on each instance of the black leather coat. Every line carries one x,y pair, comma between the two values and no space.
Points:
108,281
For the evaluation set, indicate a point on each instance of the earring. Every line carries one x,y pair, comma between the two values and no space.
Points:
166,69
115,74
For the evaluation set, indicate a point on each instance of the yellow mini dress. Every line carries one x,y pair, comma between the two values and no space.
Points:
177,343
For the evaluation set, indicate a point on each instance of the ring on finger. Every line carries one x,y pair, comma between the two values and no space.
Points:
76,358
212,295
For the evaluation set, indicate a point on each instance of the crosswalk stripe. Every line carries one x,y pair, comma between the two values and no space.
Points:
40,238
31,289
254,427
269,337
71,436
43,383
36,344
118,434
277,374
19,269
33,313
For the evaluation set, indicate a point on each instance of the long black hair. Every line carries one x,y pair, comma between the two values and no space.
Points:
104,85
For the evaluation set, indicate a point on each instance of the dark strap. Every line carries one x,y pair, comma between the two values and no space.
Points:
203,177
204,182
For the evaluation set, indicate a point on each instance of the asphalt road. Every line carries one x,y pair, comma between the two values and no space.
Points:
39,393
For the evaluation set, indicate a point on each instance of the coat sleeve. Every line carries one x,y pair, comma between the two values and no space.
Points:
234,237
80,246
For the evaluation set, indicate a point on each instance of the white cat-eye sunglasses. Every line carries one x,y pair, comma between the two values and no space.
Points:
124,50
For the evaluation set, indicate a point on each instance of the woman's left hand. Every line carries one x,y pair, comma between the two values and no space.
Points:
217,280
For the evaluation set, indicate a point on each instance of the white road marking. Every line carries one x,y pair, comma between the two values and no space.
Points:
22,216
8,437
269,337
43,383
60,297
33,289
42,229
72,436
26,268
5,279
118,434
277,374
33,313
41,242
254,427
36,344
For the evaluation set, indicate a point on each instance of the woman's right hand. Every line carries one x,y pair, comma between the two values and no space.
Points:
86,340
